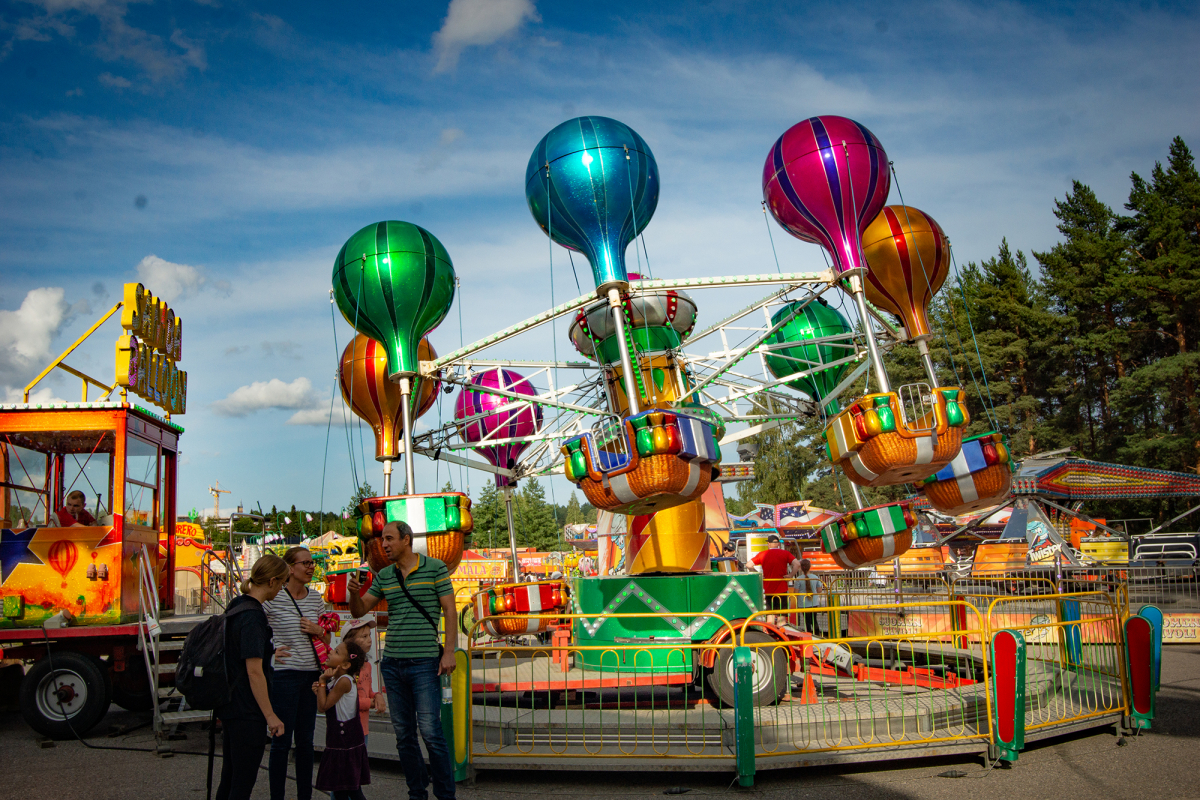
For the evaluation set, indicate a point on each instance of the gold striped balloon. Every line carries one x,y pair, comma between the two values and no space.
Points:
909,257
363,376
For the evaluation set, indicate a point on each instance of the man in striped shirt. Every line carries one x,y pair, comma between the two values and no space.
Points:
413,660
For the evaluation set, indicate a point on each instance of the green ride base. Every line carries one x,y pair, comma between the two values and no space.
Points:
730,596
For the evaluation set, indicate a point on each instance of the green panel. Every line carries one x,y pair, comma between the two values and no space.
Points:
730,596
423,514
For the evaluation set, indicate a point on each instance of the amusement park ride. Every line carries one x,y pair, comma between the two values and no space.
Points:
638,426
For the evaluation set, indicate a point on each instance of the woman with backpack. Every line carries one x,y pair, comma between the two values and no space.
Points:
294,616
248,655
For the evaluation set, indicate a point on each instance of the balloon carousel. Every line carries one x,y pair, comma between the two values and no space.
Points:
639,425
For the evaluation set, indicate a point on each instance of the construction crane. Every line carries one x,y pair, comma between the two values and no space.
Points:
216,493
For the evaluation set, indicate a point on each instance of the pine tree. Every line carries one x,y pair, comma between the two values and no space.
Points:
574,511
491,521
535,517
1160,396
1086,278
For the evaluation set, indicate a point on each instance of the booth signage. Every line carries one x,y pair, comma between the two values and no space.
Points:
149,349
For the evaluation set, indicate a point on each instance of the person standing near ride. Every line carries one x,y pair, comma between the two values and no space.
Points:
248,656
810,589
418,592
777,566
293,616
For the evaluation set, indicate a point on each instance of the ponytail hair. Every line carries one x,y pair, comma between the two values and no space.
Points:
268,568
357,655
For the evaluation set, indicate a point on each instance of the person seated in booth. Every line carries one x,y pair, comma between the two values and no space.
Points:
73,514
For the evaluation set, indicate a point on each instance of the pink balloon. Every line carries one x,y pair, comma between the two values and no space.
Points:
500,425
825,179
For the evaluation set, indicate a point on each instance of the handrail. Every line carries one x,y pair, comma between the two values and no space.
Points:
58,361
148,630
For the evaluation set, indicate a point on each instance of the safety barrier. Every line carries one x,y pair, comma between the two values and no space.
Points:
896,680
630,700
852,692
1074,656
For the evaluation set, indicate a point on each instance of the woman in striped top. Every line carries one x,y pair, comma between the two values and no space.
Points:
293,618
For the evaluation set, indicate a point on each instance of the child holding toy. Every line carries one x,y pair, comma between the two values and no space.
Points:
344,767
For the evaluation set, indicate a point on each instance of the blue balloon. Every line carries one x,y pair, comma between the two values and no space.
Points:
592,185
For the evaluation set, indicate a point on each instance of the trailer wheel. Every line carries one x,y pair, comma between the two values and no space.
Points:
65,701
770,676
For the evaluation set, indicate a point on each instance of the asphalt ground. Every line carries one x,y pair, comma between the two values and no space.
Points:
1158,764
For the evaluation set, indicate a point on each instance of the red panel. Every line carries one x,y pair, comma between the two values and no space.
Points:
1139,637
1005,666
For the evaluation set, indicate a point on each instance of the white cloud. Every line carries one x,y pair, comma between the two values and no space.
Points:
113,81
319,416
44,396
169,280
116,40
25,334
478,22
262,395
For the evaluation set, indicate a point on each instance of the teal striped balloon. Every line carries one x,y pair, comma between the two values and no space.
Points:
393,281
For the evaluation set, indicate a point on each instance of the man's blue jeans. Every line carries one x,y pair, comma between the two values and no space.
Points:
414,694
295,704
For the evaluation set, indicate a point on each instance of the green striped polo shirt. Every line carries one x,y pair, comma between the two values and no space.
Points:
409,634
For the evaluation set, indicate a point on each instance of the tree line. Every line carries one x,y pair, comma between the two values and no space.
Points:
1095,350
537,521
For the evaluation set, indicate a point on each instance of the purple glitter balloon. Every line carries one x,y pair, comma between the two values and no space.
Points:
825,179
502,425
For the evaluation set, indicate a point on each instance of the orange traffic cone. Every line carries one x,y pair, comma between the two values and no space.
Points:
808,695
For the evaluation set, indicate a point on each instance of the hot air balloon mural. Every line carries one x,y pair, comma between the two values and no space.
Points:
488,415
818,337
394,282
909,258
362,375
63,555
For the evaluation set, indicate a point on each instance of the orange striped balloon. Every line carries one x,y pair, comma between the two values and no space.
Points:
909,258
363,376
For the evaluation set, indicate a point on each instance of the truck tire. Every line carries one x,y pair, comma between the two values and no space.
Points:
66,701
770,673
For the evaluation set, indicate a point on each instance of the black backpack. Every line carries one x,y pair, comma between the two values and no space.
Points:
202,676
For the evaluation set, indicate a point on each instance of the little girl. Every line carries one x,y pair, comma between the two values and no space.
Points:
344,767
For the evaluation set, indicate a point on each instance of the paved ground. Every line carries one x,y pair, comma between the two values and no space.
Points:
1163,763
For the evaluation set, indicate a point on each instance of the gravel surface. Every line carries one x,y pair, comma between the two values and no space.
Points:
1159,764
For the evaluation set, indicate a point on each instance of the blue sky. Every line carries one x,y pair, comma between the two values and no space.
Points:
263,135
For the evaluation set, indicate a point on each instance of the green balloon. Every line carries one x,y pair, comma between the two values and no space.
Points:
815,321
394,282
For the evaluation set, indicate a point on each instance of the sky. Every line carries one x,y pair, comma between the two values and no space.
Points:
221,152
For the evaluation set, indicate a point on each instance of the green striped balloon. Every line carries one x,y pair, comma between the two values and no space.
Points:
394,282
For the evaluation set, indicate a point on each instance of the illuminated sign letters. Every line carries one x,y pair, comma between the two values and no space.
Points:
147,352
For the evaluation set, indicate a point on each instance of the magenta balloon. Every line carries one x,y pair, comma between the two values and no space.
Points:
825,179
500,425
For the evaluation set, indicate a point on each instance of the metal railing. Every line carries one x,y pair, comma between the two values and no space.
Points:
219,587
625,700
886,677
149,628
1075,664
870,691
